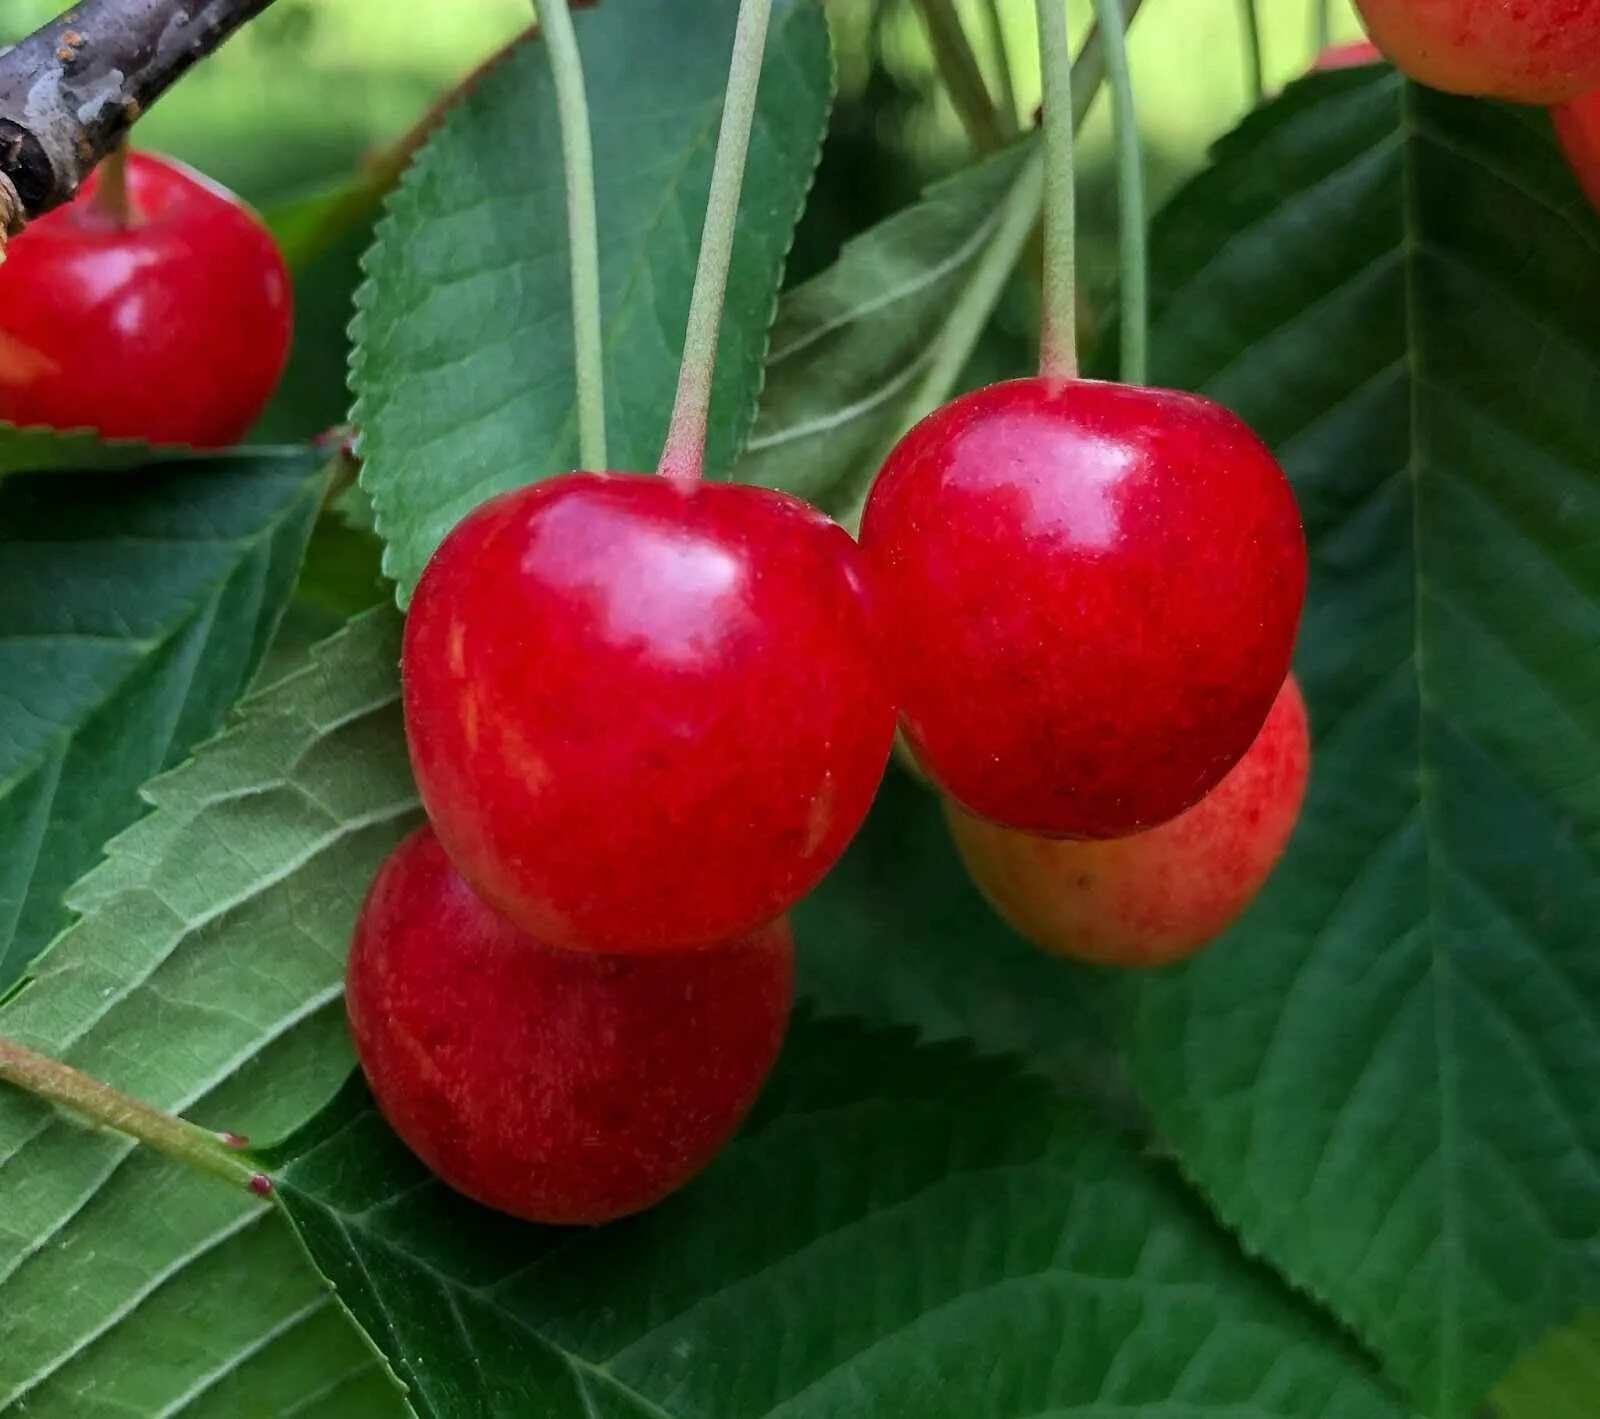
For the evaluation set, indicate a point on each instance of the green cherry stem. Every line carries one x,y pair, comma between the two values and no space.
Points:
963,77
101,1104
1058,340
583,241
684,456
1131,239
1002,62
1251,22
1321,24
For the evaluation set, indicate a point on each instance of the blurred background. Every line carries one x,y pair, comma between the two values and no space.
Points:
313,92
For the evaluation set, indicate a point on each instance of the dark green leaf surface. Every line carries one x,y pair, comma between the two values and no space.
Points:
851,346
134,609
902,1231
463,368
1387,1079
203,976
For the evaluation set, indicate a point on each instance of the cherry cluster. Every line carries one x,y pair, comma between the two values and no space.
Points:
647,716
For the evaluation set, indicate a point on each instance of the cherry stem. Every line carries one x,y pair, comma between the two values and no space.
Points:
583,240
101,1104
683,458
111,198
963,76
1131,229
1252,45
1321,24
1058,341
1002,62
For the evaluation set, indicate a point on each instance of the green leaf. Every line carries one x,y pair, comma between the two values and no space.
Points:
203,976
463,368
851,347
134,608
35,450
902,1231
1386,1078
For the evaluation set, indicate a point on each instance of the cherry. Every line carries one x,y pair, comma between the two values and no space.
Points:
644,714
1533,51
1578,128
1352,55
559,1086
170,323
1094,590
1157,896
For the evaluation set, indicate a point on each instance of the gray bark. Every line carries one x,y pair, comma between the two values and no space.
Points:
70,91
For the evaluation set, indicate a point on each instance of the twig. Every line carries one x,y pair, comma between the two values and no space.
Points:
71,90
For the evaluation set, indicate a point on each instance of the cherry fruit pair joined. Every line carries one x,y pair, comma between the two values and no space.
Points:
154,306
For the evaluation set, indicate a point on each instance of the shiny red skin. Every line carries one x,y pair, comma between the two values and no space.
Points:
1093,591
1528,51
1578,128
1352,55
1160,896
557,1086
173,328
643,716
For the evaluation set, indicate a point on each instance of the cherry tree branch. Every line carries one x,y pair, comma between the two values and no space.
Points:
70,91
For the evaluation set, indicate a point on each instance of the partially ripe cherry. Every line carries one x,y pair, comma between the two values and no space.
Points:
558,1086
1578,128
1159,896
645,715
1352,55
1528,51
171,325
1093,592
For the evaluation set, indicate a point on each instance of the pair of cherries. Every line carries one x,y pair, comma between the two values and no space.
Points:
647,717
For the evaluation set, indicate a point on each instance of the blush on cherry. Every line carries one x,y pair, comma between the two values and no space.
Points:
1094,591
559,1086
1353,55
645,715
1158,896
1578,129
169,322
1531,51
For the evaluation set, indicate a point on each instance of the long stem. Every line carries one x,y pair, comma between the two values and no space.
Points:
1321,24
1135,298
1252,43
583,241
100,1103
111,192
963,77
1058,341
1002,61
684,456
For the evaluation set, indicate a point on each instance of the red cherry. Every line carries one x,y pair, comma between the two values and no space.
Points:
1530,51
1352,55
557,1086
1158,896
171,327
1578,128
645,716
1094,591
